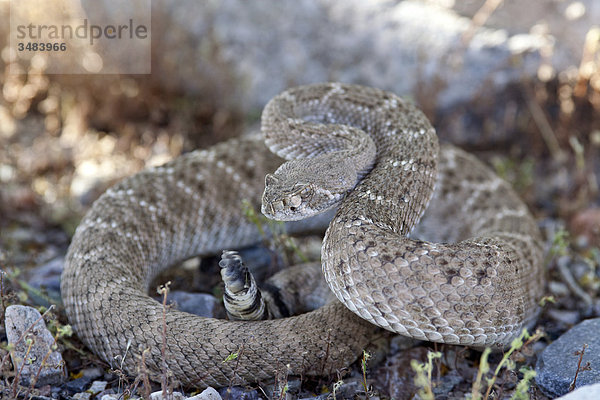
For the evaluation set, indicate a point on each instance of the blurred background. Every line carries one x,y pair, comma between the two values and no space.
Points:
520,81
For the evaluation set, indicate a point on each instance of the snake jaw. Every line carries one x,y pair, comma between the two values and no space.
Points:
288,196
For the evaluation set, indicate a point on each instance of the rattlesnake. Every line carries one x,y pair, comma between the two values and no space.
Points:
479,291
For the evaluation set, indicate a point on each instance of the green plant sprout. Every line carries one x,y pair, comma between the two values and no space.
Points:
423,375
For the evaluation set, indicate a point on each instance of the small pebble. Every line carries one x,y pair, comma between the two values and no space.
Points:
82,396
106,392
191,263
41,357
201,304
208,394
97,386
158,395
239,393
78,385
557,364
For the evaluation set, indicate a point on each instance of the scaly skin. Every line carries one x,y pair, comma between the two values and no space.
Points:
476,292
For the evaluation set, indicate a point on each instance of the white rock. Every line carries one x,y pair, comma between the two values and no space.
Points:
42,356
97,386
158,395
590,392
208,394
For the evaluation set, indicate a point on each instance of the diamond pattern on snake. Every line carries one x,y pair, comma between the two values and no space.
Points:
426,242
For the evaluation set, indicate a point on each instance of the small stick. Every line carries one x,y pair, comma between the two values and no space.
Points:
586,367
164,290
144,375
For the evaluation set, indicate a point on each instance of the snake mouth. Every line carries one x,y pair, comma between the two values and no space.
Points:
283,210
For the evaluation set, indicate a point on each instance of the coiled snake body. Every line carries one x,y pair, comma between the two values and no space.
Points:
476,282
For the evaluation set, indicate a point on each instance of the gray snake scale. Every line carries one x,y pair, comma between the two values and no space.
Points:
476,281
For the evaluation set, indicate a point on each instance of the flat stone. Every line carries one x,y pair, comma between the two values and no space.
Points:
240,393
106,392
82,396
557,364
97,386
41,359
78,385
201,304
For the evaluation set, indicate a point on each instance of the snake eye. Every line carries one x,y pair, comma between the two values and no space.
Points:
295,201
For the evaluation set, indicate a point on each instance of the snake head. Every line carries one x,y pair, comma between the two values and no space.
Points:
284,200
284,203
302,188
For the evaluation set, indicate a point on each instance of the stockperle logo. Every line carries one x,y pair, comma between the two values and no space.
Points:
80,36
